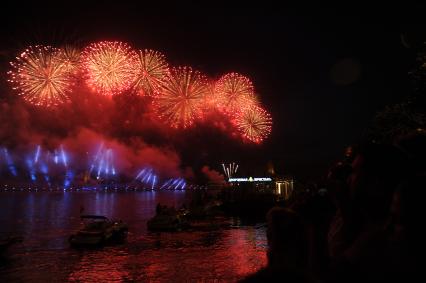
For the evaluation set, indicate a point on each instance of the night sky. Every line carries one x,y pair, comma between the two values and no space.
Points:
322,73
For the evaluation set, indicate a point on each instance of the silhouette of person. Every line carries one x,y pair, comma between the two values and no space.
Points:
287,249
357,235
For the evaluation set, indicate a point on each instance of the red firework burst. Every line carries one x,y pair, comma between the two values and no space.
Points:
253,123
71,55
109,66
42,76
182,97
152,70
234,91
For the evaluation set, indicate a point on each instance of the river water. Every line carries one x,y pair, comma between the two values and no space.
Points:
45,220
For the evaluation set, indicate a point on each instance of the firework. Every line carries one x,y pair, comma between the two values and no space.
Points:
31,170
254,123
174,184
103,163
64,157
210,99
181,98
152,70
147,177
109,66
9,162
41,76
234,91
37,154
71,56
230,169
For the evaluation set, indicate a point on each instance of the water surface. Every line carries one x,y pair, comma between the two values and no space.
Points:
47,219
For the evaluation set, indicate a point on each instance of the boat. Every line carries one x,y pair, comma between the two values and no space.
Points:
168,219
98,231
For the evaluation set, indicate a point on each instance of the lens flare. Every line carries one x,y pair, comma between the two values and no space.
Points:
254,124
152,70
41,76
109,66
180,100
234,91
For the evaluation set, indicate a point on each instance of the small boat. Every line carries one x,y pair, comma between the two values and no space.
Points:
168,219
98,231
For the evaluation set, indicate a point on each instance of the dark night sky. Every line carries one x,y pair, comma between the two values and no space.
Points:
322,73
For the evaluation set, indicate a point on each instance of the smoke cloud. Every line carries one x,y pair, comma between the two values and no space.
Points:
212,175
